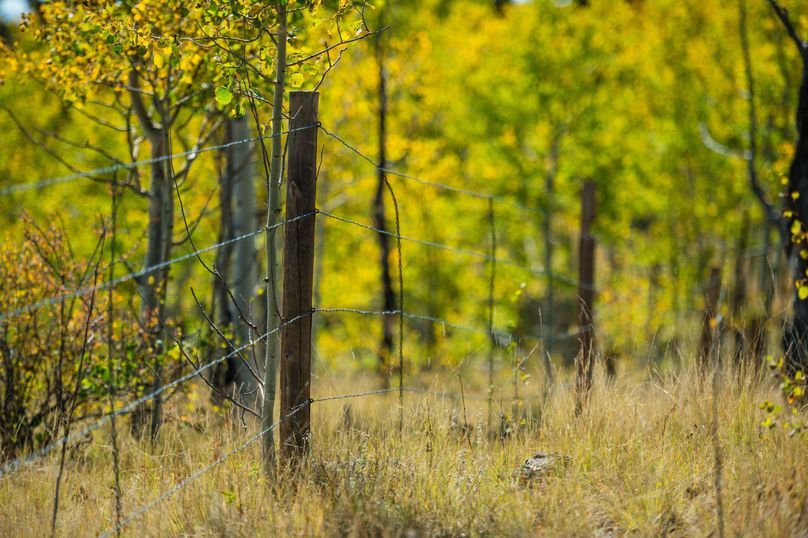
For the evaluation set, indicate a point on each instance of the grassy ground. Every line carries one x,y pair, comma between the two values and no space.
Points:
641,461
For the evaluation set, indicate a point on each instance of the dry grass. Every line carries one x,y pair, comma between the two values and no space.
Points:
641,463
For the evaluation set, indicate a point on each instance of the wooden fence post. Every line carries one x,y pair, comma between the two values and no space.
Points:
710,323
586,297
298,276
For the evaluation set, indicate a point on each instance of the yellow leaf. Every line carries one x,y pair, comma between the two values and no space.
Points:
803,292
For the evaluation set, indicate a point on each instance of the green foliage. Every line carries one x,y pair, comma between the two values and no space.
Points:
792,388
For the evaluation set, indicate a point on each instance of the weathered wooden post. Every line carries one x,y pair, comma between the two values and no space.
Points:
710,324
298,276
586,298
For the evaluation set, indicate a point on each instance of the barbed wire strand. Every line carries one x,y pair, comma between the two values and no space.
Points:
143,272
41,453
448,248
467,328
181,485
192,153
435,184
253,438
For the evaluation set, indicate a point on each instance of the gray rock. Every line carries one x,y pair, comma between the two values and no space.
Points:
539,467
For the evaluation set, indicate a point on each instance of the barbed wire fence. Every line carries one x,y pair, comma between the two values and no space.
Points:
491,257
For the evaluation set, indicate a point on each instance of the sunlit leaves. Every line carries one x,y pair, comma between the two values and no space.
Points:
223,96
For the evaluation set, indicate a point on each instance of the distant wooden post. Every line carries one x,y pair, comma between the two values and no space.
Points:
586,298
298,276
710,323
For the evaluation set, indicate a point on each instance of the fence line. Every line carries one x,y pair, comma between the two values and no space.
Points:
17,463
191,153
198,371
141,273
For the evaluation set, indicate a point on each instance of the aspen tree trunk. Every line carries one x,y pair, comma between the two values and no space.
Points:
273,217
756,332
244,272
380,221
221,301
152,287
236,262
167,232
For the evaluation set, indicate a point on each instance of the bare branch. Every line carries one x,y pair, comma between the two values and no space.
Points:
782,14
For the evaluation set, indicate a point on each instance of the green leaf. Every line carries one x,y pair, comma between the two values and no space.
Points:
296,80
223,96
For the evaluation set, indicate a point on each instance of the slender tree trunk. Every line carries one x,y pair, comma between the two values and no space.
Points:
585,358
167,232
380,221
548,318
237,262
152,287
225,372
244,272
709,329
273,217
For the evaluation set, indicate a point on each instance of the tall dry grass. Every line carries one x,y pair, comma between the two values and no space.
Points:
641,462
